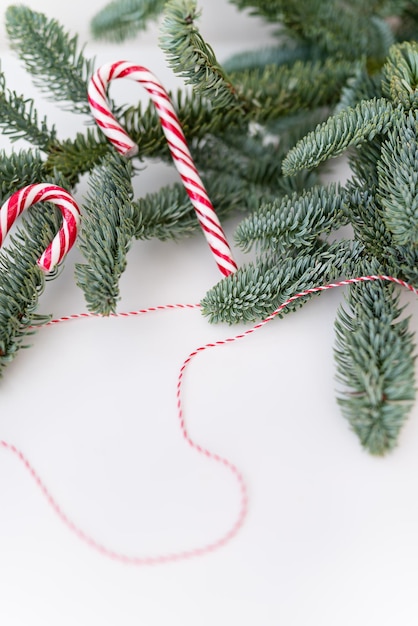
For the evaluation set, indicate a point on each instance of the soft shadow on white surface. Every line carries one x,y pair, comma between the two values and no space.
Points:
330,538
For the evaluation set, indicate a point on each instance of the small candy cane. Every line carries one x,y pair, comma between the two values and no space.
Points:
182,158
44,192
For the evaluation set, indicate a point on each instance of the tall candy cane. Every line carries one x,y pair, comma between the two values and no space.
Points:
99,104
44,192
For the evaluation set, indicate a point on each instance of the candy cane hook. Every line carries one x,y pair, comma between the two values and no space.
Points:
44,192
180,153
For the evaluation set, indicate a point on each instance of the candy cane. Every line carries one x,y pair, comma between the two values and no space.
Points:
182,158
44,192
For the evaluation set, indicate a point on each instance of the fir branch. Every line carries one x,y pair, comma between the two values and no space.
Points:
336,28
363,162
350,127
19,169
256,290
397,191
251,157
123,19
400,75
374,356
403,261
50,55
287,90
106,233
293,222
22,281
360,86
193,59
74,157
166,214
258,59
365,216
19,118
270,10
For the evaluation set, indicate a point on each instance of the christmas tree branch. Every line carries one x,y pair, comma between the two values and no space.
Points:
397,190
50,55
19,118
193,59
22,281
374,356
106,234
350,127
19,169
293,222
122,19
256,290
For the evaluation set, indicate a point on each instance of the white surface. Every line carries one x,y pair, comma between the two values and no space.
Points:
219,21
331,536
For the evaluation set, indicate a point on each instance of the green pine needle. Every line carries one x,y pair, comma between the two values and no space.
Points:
51,56
350,127
19,118
293,222
400,75
374,355
256,290
22,281
398,181
123,19
19,169
193,59
106,234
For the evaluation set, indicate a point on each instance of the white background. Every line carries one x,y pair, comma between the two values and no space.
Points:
331,534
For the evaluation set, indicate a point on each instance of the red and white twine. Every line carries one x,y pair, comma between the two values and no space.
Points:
99,104
44,192
231,467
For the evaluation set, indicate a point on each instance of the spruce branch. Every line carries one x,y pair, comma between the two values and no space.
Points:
360,86
400,75
22,281
19,118
74,157
397,190
350,127
374,356
259,59
123,19
286,90
256,290
270,10
19,169
365,216
106,234
336,28
293,222
50,55
193,59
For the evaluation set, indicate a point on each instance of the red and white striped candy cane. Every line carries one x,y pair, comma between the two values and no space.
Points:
99,104
44,192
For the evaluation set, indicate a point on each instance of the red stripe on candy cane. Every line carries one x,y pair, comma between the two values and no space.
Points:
99,105
44,192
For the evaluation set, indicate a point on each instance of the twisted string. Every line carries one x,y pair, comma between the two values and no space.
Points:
231,467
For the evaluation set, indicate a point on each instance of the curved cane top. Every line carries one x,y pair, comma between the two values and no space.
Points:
97,96
44,192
